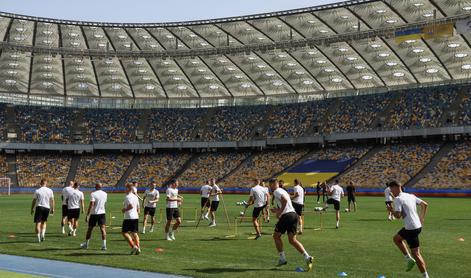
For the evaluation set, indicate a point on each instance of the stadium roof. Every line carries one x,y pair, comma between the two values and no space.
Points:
335,47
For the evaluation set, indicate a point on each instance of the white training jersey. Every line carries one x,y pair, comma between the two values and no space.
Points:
337,192
65,194
387,195
74,199
406,204
300,198
267,192
99,199
172,193
151,195
43,197
205,191
259,195
215,190
278,194
132,200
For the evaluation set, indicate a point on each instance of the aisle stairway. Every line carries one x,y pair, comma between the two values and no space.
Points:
444,150
74,165
367,156
12,169
132,165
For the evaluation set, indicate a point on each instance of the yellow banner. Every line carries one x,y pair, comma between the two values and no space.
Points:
427,32
438,31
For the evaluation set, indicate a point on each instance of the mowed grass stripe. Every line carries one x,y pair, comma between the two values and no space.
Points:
362,246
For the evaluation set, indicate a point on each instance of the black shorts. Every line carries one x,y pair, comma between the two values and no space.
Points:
172,213
388,203
335,202
205,202
73,213
214,205
287,223
64,211
351,199
41,214
130,226
298,208
149,211
97,219
256,211
411,236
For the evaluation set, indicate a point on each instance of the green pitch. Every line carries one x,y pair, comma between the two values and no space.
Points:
17,275
362,247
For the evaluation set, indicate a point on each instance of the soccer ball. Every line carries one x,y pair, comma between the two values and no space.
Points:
241,213
347,210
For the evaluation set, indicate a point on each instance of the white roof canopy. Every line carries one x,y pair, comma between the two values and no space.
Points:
315,69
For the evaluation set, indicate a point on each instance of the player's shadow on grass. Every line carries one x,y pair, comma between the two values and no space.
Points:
220,270
53,249
219,239
95,254
18,241
371,220
34,234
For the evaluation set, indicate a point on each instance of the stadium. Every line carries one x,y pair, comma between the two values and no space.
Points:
373,93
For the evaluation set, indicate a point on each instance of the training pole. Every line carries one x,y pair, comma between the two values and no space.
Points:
225,212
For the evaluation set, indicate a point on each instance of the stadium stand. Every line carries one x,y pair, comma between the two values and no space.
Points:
234,124
263,165
2,121
356,114
157,167
340,153
452,171
3,166
399,162
465,108
44,124
31,168
174,125
295,120
420,108
211,165
112,125
104,168
323,164
415,108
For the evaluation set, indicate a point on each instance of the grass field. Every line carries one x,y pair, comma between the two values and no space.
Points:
362,247
17,275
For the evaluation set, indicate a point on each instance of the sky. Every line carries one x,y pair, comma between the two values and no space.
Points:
150,11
